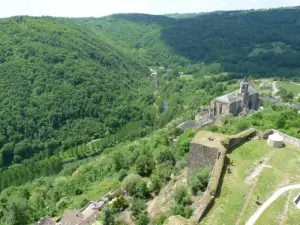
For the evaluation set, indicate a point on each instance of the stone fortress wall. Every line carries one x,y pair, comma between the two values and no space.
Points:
209,150
201,156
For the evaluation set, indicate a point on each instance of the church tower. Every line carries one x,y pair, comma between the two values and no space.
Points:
244,92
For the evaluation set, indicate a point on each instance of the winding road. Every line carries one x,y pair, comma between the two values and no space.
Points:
267,203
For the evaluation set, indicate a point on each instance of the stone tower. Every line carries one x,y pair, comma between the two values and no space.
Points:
244,93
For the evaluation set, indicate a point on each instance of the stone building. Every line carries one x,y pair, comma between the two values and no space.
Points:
246,98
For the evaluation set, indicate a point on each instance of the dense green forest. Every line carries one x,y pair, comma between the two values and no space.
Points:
260,43
61,85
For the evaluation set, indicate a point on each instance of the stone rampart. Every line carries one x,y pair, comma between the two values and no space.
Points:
201,156
209,150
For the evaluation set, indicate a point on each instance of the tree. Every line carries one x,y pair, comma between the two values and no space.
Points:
145,165
18,212
167,157
181,196
119,205
137,207
199,181
129,183
107,217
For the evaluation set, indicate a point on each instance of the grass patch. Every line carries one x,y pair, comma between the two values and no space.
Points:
289,87
285,170
234,189
293,213
274,213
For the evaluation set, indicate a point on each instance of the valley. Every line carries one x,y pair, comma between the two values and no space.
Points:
90,107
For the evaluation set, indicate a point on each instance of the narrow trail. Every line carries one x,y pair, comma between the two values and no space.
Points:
274,88
286,208
270,200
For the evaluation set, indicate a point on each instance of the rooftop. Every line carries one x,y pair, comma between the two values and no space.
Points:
233,97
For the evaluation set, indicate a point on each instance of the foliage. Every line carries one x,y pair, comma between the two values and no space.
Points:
199,180
156,184
160,219
119,204
184,141
107,217
145,165
64,85
142,219
137,207
166,156
285,119
181,196
135,186
123,174
181,210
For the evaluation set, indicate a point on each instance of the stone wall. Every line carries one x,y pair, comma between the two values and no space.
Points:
237,140
214,158
288,139
201,156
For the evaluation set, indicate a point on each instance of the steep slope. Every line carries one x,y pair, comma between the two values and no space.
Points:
62,85
263,42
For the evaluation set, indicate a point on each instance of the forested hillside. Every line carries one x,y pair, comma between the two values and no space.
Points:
260,43
61,85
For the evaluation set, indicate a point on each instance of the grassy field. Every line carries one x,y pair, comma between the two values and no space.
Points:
234,189
289,87
229,207
282,211
285,170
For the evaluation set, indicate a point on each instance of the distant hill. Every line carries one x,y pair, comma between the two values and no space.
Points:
261,43
62,85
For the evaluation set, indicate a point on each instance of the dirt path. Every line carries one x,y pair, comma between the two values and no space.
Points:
267,203
286,208
274,87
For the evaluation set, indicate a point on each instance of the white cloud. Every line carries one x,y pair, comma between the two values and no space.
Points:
84,8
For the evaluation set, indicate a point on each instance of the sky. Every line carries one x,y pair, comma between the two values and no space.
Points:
98,8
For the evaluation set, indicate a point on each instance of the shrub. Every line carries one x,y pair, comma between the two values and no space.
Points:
242,125
145,165
156,184
160,219
163,172
107,217
181,210
122,174
135,186
119,205
141,189
137,207
78,191
142,219
181,196
129,183
199,181
63,203
166,157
